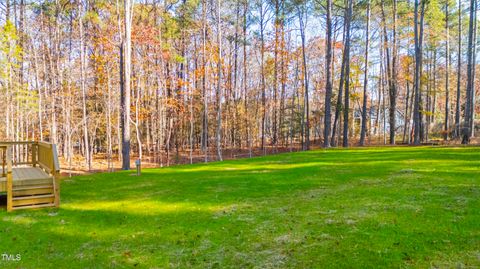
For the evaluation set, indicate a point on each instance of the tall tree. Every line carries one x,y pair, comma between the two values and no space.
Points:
245,77
204,82
279,22
391,66
418,32
262,21
447,72
459,71
328,77
338,106
466,130
219,84
346,109
474,72
302,18
365,79
125,74
83,62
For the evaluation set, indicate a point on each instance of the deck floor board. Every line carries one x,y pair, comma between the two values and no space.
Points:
25,176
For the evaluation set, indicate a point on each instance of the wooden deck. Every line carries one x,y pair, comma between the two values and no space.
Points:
29,174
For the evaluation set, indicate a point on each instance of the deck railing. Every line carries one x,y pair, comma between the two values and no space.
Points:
23,153
31,153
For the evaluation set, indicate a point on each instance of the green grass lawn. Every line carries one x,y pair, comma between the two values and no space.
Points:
357,208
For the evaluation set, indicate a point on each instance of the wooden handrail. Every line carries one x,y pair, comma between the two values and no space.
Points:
9,143
48,158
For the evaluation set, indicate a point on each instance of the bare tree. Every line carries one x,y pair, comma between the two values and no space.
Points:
346,109
302,18
365,79
219,84
126,67
418,31
447,72
328,78
459,72
466,130
83,89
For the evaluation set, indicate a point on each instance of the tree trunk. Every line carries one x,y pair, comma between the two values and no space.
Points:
459,72
466,130
204,82
393,84
84,94
338,107
391,71
125,59
418,29
306,107
447,72
245,76
346,109
365,80
328,72
219,85
472,107
262,75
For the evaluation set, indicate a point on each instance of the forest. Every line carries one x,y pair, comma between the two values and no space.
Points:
203,80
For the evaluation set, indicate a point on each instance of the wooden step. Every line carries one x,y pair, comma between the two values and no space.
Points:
33,200
21,188
34,206
33,190
29,182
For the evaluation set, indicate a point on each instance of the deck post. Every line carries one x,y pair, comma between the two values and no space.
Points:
56,186
56,175
34,154
9,191
9,179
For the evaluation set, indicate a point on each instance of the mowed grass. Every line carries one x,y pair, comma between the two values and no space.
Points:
357,208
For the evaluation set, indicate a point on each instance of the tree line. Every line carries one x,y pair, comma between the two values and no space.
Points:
205,78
